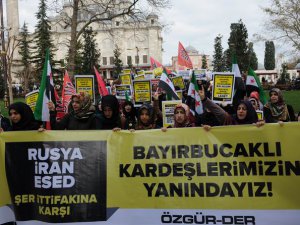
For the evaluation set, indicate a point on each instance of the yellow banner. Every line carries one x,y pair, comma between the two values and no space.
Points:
227,168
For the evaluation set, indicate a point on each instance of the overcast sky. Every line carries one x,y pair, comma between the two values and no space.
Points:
193,22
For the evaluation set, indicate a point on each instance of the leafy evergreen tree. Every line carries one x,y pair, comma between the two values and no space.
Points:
227,59
218,59
78,58
42,39
204,62
25,53
253,62
118,62
90,52
284,75
238,44
269,62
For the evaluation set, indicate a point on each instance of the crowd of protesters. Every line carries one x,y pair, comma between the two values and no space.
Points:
111,114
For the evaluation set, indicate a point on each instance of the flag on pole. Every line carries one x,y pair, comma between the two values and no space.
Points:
166,84
154,63
239,83
253,81
46,92
101,85
183,57
193,92
67,92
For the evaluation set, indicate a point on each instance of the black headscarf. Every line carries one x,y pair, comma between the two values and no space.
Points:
27,121
112,102
251,116
132,113
151,123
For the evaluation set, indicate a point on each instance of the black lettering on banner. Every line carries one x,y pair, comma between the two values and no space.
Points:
209,189
57,181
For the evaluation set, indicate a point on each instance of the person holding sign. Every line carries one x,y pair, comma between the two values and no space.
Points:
276,110
245,113
80,117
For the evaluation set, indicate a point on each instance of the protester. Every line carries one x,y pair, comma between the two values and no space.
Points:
80,117
254,103
182,116
276,110
245,113
110,117
22,118
4,122
255,95
146,118
129,113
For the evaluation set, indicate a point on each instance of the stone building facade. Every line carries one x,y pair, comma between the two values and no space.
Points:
136,42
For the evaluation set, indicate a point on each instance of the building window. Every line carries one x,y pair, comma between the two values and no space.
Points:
145,59
104,59
111,60
137,59
152,21
129,60
117,23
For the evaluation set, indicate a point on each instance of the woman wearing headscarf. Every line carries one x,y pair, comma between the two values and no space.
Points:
81,116
276,109
182,116
146,118
22,118
110,118
129,113
245,113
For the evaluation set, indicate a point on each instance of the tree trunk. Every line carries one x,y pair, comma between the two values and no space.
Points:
73,41
9,79
26,80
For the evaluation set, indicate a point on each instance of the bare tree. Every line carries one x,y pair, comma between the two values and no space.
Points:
101,12
12,45
285,20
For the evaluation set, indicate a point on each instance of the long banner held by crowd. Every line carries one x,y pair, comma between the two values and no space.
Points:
229,175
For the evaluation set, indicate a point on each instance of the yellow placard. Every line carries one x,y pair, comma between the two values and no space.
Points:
31,99
178,81
125,78
223,87
158,71
85,83
168,112
140,77
142,91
